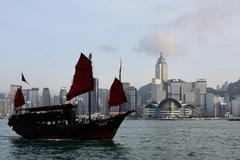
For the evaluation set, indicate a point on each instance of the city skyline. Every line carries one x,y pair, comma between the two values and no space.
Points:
44,40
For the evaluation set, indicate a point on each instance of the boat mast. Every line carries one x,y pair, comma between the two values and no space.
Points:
89,96
120,70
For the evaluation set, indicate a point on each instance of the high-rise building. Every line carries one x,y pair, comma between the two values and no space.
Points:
82,100
125,85
201,84
193,93
103,101
220,106
174,89
27,98
186,87
159,82
34,97
210,105
236,107
56,100
94,97
62,95
4,107
46,97
2,96
131,94
156,89
161,69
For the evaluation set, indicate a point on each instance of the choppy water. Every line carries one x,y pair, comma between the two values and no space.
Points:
135,139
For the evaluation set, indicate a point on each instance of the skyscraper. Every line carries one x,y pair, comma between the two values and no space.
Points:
161,69
26,95
94,97
103,101
62,95
46,98
161,77
2,96
34,97
131,94
82,100
189,92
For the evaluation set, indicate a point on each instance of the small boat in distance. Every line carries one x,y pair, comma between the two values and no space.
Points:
233,118
61,121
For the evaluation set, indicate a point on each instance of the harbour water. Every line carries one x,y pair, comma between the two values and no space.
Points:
135,139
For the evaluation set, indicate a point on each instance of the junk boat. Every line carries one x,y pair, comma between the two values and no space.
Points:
61,121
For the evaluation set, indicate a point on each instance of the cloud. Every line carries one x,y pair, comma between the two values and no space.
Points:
155,43
107,48
208,16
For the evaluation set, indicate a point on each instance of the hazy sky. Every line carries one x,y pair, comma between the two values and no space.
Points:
43,39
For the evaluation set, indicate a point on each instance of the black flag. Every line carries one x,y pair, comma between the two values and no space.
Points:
23,79
90,56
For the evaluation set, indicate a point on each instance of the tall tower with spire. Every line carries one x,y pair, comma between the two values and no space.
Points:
161,69
158,82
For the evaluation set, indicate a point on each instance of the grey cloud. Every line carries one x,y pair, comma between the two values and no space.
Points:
107,48
208,15
155,43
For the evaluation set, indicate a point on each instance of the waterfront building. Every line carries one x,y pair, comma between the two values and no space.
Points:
186,87
82,103
150,110
103,101
27,98
94,97
82,100
189,92
124,106
131,94
125,85
34,97
220,106
236,107
56,100
46,97
2,96
174,89
201,84
169,109
62,95
4,107
158,94
192,93
210,105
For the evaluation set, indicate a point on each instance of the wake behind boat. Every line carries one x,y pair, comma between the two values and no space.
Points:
61,121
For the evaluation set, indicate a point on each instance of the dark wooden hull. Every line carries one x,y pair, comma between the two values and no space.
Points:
95,130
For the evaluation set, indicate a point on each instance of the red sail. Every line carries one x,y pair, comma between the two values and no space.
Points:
117,95
19,99
83,79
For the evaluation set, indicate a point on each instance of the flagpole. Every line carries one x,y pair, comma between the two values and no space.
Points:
89,95
21,87
24,80
120,76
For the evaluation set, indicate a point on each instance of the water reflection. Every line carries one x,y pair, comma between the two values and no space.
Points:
67,149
